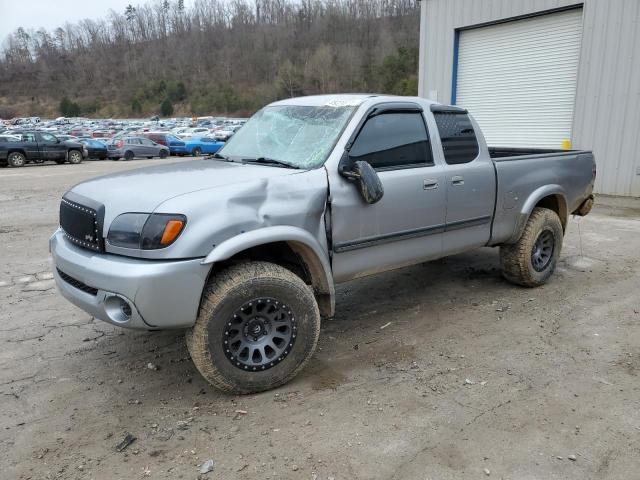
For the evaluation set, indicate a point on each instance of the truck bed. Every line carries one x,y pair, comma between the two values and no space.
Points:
526,173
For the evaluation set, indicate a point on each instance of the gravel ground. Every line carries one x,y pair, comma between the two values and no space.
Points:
437,371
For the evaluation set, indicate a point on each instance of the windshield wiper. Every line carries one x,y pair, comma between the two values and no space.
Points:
269,161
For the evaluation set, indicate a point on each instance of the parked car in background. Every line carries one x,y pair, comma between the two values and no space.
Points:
198,145
129,147
38,147
226,133
95,149
176,145
194,131
65,138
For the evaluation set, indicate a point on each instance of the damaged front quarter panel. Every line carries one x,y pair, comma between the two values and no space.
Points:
225,221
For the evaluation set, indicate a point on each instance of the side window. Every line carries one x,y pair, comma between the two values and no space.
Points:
393,140
458,138
28,137
47,137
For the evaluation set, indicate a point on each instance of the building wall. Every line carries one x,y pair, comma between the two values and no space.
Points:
607,110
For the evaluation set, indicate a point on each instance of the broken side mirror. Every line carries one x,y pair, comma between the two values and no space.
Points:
365,177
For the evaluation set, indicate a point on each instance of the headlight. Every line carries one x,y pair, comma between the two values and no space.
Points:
145,231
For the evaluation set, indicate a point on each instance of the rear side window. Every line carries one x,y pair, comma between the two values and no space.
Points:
458,138
393,140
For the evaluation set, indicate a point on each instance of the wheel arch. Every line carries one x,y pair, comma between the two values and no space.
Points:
16,150
290,247
549,196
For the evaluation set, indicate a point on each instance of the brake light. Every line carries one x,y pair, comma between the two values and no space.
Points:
120,143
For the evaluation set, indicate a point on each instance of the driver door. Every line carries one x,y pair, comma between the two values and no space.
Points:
52,149
407,224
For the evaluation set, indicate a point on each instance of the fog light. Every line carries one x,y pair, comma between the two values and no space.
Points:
118,309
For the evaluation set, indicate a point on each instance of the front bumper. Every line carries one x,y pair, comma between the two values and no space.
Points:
160,294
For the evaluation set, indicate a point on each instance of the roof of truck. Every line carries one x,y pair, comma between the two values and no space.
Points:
341,100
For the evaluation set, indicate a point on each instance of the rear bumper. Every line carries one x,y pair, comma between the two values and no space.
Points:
585,207
160,294
178,150
115,153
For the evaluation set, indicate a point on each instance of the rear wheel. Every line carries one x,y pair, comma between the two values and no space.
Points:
196,152
75,157
532,259
128,155
258,326
16,159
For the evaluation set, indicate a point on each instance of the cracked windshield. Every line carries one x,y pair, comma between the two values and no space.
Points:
301,136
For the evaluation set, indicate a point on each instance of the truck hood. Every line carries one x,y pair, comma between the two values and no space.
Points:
143,189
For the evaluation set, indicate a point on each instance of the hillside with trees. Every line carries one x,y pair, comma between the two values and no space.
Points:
213,57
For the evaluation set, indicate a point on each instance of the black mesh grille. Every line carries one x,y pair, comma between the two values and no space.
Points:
81,225
77,283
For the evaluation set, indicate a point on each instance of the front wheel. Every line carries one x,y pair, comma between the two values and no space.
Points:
196,152
532,259
75,157
258,326
163,154
128,155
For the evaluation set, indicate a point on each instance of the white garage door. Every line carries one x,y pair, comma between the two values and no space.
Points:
518,79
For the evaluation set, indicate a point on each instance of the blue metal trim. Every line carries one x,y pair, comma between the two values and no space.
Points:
454,70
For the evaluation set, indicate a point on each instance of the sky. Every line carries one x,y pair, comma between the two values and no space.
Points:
53,13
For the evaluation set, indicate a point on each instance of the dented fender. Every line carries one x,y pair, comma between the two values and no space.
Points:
262,236
301,242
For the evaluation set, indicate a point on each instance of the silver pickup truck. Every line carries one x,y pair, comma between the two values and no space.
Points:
243,249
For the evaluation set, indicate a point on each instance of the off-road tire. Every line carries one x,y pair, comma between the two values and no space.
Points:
225,293
16,159
128,155
516,259
196,152
74,157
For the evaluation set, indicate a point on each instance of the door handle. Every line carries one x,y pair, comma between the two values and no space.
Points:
430,184
457,180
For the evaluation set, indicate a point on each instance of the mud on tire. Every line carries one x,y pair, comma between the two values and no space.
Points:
225,297
532,259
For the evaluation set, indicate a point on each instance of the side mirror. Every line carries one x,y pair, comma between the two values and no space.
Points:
367,180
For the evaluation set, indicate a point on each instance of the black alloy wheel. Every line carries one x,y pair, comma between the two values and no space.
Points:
259,335
542,251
